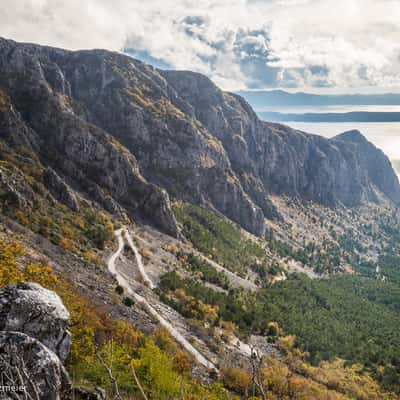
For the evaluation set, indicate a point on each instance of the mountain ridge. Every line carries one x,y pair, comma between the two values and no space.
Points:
170,132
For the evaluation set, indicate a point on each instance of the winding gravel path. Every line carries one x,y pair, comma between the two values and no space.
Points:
146,280
150,309
235,280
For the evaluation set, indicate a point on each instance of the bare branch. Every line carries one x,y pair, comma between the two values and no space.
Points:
110,373
256,362
137,381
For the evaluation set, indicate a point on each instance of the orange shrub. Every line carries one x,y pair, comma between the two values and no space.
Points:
236,380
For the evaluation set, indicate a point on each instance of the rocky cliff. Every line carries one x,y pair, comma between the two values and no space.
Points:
130,135
36,114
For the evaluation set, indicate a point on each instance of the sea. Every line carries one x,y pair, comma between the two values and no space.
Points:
384,135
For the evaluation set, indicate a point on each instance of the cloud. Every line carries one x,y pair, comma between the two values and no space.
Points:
340,44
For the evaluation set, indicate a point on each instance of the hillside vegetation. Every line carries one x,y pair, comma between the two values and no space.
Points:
223,240
352,317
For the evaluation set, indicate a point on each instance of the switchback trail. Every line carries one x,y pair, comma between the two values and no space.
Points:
146,280
141,300
235,280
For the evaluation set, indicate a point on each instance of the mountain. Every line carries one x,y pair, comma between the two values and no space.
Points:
130,136
264,99
198,251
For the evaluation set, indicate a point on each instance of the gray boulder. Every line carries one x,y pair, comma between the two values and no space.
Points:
29,367
38,312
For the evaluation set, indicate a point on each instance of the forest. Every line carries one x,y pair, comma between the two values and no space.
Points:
351,316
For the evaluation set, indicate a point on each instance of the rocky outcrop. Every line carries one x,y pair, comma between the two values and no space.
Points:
379,168
97,194
34,340
60,190
37,312
13,188
107,121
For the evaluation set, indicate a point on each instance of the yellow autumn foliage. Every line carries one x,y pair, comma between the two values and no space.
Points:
351,380
10,250
163,368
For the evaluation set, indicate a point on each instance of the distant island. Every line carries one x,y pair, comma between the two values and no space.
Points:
266,98
355,116
277,106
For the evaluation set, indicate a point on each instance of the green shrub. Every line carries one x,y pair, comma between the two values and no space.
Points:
128,301
119,289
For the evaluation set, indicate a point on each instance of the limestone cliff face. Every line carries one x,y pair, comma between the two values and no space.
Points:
379,168
344,170
36,112
133,135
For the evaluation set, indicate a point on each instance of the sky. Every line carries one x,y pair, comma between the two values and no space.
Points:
322,46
